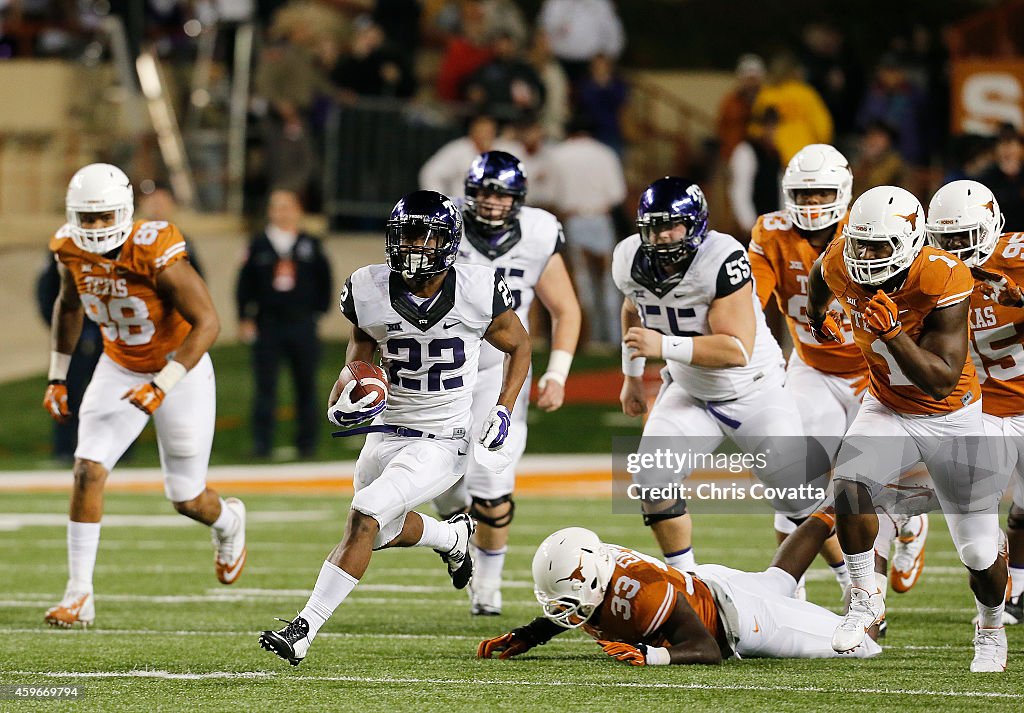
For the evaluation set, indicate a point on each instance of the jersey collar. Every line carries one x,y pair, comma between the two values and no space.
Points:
424,316
498,247
648,275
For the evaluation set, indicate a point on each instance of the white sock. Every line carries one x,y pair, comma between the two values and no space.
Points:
333,585
227,522
1016,581
862,569
887,532
488,566
990,617
802,582
683,560
438,535
842,574
83,541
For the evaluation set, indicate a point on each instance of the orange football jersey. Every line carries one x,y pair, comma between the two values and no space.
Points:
642,594
781,260
140,329
997,334
935,279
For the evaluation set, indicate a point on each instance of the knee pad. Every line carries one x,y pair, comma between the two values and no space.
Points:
497,521
977,540
787,525
1015,518
677,510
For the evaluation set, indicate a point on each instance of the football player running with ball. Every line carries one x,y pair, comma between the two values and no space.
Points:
909,307
523,245
134,280
428,316
646,614
689,299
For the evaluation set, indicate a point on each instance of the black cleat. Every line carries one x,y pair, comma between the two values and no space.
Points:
458,559
1013,613
290,643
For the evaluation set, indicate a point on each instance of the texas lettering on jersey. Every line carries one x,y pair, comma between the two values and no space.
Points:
642,595
934,280
781,261
997,334
140,329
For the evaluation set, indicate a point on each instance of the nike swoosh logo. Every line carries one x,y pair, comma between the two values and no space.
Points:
462,454
449,326
233,571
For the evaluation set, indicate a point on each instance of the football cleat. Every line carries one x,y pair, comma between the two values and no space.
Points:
484,601
1013,611
989,650
290,643
229,550
458,559
908,555
866,610
75,608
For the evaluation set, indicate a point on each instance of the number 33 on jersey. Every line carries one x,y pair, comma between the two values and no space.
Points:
119,293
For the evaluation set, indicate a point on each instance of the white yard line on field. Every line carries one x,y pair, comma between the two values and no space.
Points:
263,675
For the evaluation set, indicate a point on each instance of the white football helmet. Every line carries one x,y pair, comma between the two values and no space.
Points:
818,166
571,571
97,188
884,215
964,219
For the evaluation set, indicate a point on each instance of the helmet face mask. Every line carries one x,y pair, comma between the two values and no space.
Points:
423,234
884,235
665,205
94,192
571,572
818,168
964,219
493,174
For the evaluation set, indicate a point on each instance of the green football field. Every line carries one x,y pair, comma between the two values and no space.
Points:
169,637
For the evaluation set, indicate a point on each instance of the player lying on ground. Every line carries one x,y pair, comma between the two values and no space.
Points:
428,315
644,613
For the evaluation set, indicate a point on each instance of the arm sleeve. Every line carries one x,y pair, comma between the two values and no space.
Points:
656,602
733,274
169,248
761,269
959,286
742,169
347,302
501,301
559,240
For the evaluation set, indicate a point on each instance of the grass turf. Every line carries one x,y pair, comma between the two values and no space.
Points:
25,429
405,640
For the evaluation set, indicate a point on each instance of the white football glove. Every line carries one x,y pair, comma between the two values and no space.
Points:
345,412
495,429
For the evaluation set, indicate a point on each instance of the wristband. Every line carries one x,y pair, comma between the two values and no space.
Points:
657,656
59,365
558,367
677,349
632,367
169,376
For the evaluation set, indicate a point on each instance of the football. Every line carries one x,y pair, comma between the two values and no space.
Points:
370,379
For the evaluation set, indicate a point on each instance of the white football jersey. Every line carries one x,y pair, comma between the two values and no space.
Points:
430,351
679,306
519,257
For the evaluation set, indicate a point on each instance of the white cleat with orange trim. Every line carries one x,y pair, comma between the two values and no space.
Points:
77,607
908,554
229,550
989,650
866,610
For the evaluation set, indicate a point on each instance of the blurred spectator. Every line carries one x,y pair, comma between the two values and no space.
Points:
555,111
83,360
601,97
497,15
803,116
878,163
579,30
466,50
506,86
588,184
445,171
160,204
754,169
1006,177
283,288
372,68
290,78
833,72
735,111
400,21
537,160
894,100
972,156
